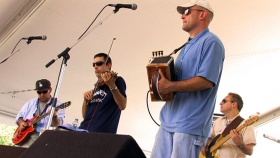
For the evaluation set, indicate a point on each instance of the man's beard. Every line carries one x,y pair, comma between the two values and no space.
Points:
98,75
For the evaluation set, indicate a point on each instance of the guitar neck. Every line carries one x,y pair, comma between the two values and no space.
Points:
40,118
62,106
224,139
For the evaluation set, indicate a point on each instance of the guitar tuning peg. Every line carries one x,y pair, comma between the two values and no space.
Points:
256,114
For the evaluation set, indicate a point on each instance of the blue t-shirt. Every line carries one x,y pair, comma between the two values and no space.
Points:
103,113
191,112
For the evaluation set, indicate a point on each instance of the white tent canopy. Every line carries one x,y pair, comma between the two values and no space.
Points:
248,29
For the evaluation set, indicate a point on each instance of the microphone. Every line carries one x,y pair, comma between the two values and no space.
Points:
35,38
129,6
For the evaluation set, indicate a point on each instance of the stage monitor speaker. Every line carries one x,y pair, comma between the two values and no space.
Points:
70,144
11,151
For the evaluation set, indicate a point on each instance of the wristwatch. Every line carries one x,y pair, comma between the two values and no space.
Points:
114,89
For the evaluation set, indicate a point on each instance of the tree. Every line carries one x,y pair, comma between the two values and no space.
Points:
6,134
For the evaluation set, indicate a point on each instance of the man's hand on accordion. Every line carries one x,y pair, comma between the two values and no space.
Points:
164,85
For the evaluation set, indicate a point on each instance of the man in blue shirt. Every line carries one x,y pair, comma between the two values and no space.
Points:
186,120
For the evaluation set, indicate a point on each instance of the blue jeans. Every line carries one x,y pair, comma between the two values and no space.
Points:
177,145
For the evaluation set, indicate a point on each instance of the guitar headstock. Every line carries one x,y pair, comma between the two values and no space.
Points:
251,120
64,105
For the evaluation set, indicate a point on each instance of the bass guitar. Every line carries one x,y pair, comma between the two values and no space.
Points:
216,143
21,136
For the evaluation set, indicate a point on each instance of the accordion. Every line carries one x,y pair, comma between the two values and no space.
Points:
166,65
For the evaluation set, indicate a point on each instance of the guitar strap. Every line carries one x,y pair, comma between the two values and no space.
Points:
233,125
46,106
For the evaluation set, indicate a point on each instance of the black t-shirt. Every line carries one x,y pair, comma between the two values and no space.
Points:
104,114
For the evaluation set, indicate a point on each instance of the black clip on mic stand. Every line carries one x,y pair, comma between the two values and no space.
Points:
116,9
65,56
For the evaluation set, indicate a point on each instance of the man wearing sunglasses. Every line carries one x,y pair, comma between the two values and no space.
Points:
102,106
186,120
242,142
37,107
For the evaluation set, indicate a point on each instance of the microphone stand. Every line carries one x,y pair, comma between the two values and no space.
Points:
12,53
66,57
8,57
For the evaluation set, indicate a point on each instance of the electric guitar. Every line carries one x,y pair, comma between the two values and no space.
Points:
21,136
216,143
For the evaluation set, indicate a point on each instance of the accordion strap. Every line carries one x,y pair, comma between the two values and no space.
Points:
176,50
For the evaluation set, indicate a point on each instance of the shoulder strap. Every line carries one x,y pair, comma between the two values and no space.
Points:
46,106
233,125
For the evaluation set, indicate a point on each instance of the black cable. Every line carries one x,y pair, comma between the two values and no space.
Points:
65,52
149,109
92,22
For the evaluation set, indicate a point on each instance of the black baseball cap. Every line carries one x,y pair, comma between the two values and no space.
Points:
43,84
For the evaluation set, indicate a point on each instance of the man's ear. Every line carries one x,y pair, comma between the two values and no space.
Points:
235,104
204,14
110,66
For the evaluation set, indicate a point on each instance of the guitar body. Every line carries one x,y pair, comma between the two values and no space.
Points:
209,154
21,136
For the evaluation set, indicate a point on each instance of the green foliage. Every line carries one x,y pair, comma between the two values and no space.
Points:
6,134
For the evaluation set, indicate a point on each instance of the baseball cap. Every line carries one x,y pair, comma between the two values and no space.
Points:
43,84
191,3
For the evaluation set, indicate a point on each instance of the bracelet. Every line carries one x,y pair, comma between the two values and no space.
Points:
114,89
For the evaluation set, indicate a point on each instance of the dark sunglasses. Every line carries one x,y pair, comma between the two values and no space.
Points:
224,101
99,63
188,11
44,92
